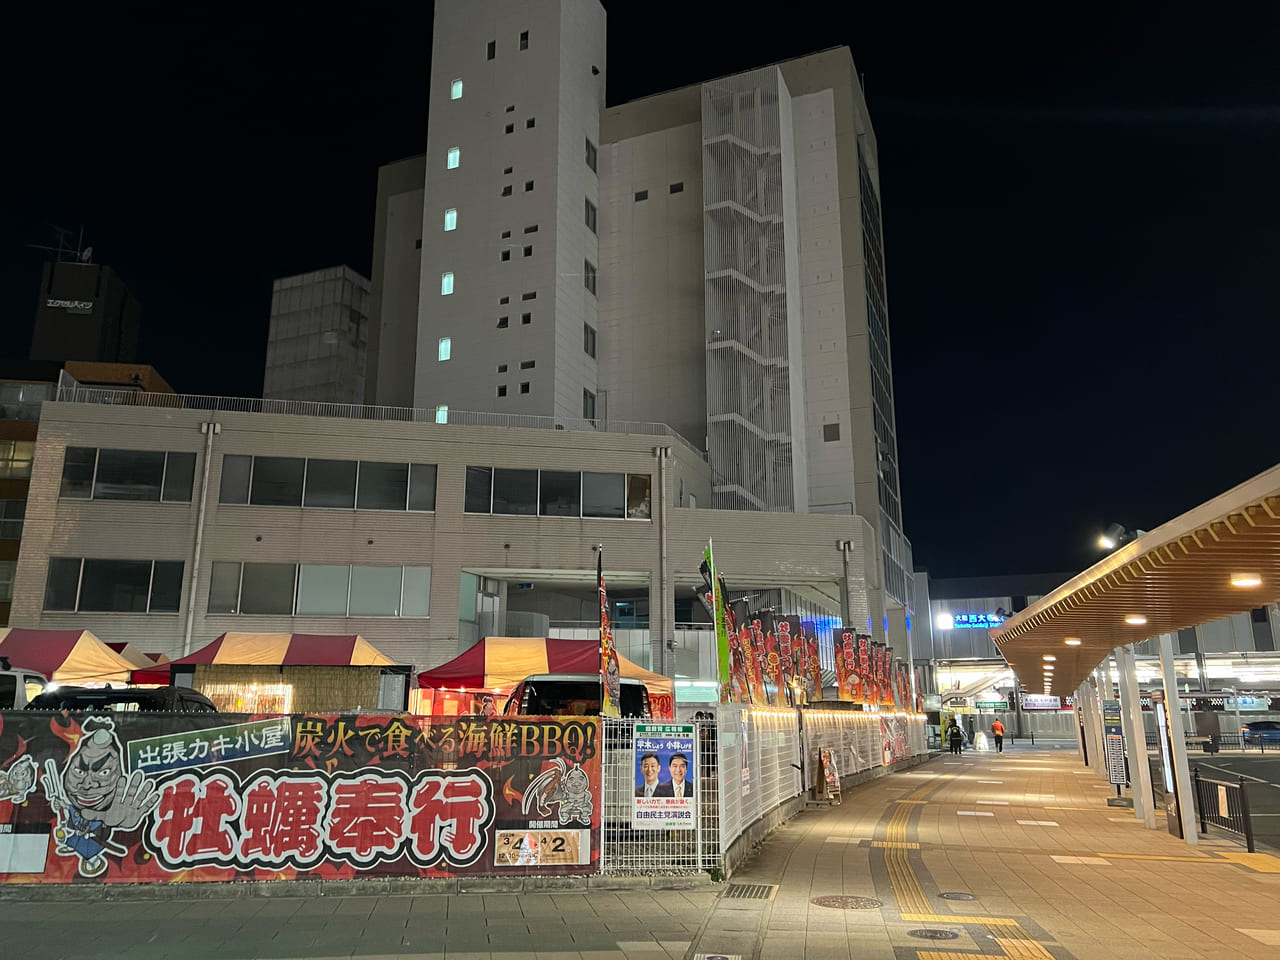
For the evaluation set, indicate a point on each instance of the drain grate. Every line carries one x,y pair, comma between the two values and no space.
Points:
751,891
957,896
927,934
847,903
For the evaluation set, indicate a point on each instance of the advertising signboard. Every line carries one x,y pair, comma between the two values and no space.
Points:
666,764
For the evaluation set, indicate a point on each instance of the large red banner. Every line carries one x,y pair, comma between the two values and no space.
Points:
148,799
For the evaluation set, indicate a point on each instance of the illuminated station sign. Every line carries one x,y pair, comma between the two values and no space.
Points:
968,621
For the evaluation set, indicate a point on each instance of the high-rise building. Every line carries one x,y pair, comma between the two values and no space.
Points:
393,294
85,312
318,333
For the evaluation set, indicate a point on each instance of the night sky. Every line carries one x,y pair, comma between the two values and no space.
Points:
1082,217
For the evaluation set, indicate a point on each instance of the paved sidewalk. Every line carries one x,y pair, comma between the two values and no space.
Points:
1053,873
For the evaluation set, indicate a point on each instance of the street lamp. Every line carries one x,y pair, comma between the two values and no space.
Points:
1115,535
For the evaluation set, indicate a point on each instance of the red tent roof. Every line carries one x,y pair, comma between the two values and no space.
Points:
505,661
275,649
68,656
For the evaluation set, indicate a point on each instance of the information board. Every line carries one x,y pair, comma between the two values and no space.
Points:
1114,742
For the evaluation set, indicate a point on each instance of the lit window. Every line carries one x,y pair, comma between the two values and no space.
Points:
455,90
442,414
451,219
446,284
444,348
454,156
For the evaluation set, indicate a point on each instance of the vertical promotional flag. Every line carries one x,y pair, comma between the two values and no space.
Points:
790,642
610,674
739,674
773,657
815,660
919,704
864,660
846,675
722,630
761,659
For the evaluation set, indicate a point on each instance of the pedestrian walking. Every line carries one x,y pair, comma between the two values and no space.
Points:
955,737
997,731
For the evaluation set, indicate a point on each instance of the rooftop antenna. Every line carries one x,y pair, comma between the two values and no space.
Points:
66,250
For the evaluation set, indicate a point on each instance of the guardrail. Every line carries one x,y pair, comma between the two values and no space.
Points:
1214,742
1223,804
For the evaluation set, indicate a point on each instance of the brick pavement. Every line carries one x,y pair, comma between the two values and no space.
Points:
1053,872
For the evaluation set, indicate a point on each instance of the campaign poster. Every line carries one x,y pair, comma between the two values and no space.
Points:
666,764
790,642
815,660
137,798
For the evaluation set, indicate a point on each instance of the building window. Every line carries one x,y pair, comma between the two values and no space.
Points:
591,216
502,389
528,251
642,195
588,340
113,586
330,483
506,234
589,275
491,50
417,244
442,414
531,295
528,186
451,219
21,401
526,319
503,300
8,572
527,364
505,256
677,187
511,108
319,590
334,484
506,191
507,170
529,124
147,475
454,158
830,432
455,90
509,128
588,405
502,368
12,513
557,493
524,40
524,387
444,348
446,284
532,228
502,323
15,458
591,155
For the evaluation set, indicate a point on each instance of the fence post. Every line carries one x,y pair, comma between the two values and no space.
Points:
1248,820
1200,812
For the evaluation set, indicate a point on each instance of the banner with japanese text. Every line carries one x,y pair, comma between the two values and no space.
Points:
790,643
666,762
752,652
864,663
847,677
137,798
815,660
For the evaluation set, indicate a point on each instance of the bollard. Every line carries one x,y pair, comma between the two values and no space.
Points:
1200,806
1248,820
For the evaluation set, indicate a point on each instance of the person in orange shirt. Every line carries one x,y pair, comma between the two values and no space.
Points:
997,731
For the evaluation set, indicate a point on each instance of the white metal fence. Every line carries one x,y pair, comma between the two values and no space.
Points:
750,761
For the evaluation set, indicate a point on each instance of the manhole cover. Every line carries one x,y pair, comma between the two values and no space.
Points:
751,891
933,934
847,903
957,896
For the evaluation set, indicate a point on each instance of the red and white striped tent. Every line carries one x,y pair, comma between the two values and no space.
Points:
65,656
275,649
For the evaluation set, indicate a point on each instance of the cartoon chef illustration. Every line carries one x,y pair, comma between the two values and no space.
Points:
94,797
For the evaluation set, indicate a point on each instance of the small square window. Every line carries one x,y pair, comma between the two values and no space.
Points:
511,108
446,284
526,319
502,389
455,90
677,187
491,50
442,414
506,234
502,323
588,340
528,251
454,158
502,300
506,255
524,40
417,244
589,275
591,155
528,185
527,364
532,229
830,432
591,216
506,191
511,128
642,195
529,124
524,387
444,349
531,295
502,368
451,219
507,170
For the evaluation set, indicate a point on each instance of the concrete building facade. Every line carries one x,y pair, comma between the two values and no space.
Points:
85,312
317,337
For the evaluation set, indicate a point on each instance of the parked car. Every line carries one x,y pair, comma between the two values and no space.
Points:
1261,731
572,695
18,685
123,699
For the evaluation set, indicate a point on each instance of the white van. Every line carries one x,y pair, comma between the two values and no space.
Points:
19,686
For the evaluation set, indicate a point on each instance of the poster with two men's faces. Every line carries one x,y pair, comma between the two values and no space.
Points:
666,771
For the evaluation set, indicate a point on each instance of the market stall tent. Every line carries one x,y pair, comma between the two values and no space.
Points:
274,649
136,656
65,656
